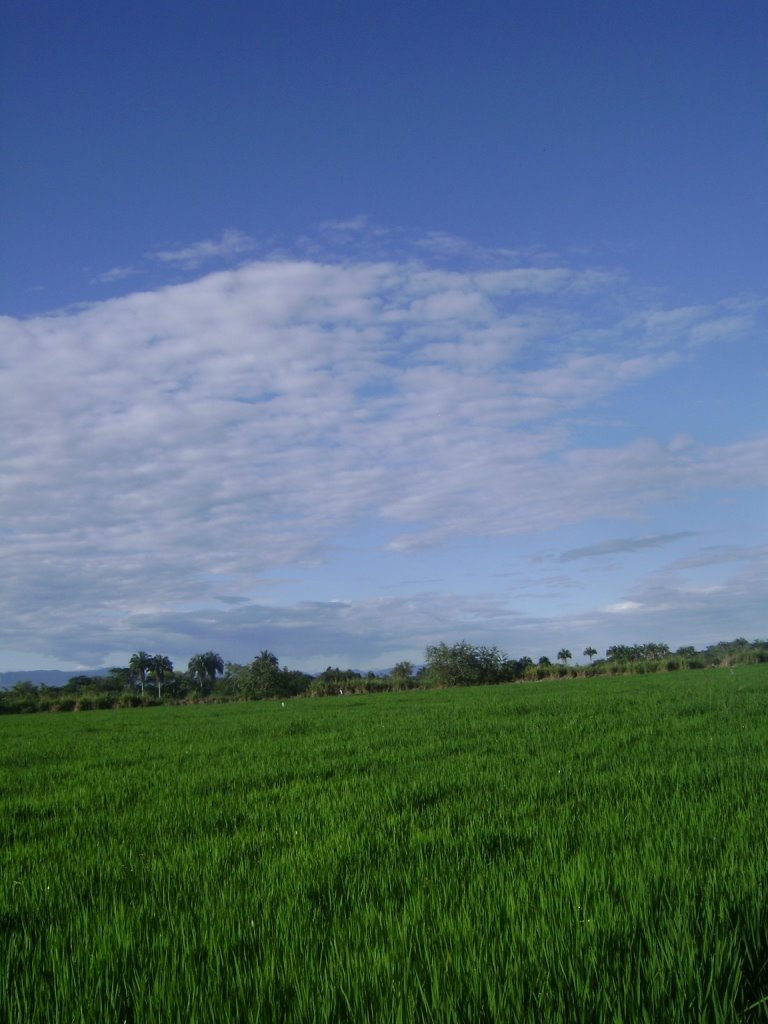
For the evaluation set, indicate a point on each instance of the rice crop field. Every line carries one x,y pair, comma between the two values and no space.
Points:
575,851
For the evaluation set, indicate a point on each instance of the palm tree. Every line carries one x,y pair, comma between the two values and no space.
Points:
564,655
139,665
203,668
161,667
589,652
215,665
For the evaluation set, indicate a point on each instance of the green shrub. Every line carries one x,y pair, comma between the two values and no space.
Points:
63,703
128,700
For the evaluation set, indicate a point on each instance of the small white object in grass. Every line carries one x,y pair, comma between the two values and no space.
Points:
282,703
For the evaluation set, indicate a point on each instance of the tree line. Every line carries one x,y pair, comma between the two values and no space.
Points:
151,678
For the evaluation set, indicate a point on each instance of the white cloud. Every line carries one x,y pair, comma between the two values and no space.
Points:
166,450
621,607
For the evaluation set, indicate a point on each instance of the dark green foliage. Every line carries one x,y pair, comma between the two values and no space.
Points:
139,665
463,664
22,697
637,652
292,683
203,670
334,681
514,670
264,678
736,652
403,676
160,671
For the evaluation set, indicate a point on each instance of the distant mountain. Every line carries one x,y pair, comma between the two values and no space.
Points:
48,676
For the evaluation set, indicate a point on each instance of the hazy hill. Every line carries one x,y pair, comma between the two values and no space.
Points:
48,676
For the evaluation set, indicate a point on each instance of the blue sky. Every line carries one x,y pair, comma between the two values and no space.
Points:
345,328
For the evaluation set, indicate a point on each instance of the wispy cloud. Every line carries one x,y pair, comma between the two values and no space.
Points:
723,554
230,246
350,224
727,320
624,545
115,274
190,257
444,245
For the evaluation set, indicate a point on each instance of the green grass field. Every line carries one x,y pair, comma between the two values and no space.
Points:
594,850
